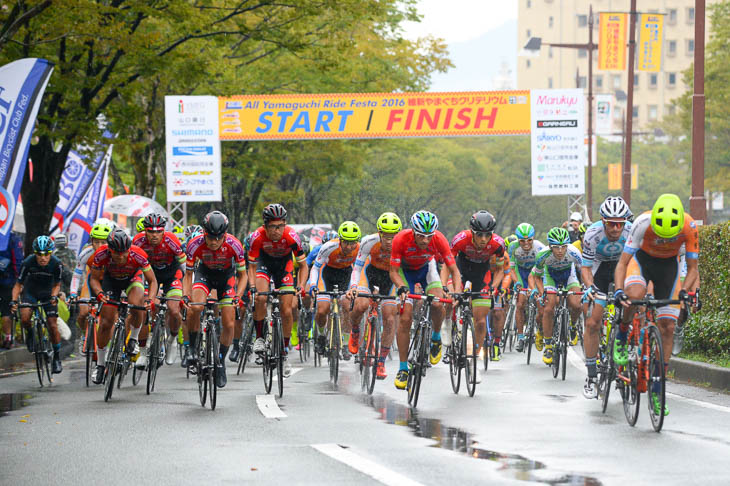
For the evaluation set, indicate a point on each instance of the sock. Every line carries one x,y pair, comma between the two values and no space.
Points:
142,343
384,350
497,340
236,342
591,367
222,351
259,328
186,343
286,342
356,330
193,338
548,341
56,347
403,366
623,331
101,356
520,336
134,334
435,336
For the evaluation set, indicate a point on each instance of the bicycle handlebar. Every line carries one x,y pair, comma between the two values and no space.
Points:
430,298
278,292
377,296
129,306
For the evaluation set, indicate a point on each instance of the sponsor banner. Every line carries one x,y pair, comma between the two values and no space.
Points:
557,142
90,209
374,115
612,41
193,148
651,33
615,176
22,84
604,114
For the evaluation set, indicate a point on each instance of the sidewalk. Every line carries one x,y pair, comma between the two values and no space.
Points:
20,354
698,373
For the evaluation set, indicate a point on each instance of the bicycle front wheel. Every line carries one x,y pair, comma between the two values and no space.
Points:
416,375
153,356
90,349
334,355
530,337
631,396
372,348
213,361
246,343
268,363
564,344
469,357
455,358
279,355
112,362
657,379
606,371
557,327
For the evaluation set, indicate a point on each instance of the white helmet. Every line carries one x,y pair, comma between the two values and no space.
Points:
614,207
576,216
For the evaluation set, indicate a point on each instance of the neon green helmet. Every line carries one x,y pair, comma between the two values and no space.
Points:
667,216
558,236
140,225
389,223
101,230
525,231
349,231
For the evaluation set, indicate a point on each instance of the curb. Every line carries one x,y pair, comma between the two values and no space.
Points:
696,372
20,355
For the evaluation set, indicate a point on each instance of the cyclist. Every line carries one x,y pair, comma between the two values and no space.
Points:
221,261
473,249
189,233
555,268
374,259
270,259
238,326
11,259
67,257
118,267
581,234
166,256
413,261
651,255
98,235
333,267
312,255
40,281
523,255
572,225
602,246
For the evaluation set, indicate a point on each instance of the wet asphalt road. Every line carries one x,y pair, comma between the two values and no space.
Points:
521,426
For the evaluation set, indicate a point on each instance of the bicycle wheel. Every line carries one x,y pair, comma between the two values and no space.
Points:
279,355
455,358
361,357
416,374
631,396
657,378
556,345
89,349
201,369
371,355
470,358
213,362
564,344
112,362
530,334
245,343
302,332
267,365
317,358
336,342
606,372
153,356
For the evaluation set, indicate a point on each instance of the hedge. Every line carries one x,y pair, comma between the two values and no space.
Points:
708,332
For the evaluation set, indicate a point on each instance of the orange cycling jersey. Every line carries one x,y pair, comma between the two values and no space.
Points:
642,237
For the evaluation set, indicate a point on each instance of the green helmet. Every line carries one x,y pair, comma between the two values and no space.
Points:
667,216
349,231
525,231
101,230
140,225
389,223
511,239
558,236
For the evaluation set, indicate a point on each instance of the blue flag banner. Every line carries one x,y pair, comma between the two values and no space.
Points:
22,84
90,208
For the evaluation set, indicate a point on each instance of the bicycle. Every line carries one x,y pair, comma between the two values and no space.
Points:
156,354
461,333
644,372
606,371
206,354
304,326
369,350
418,350
334,333
117,360
42,348
92,324
274,354
510,323
561,330
246,341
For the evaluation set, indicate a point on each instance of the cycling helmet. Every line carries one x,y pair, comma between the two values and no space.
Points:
667,216
511,239
305,247
274,211
247,242
101,230
43,244
558,236
140,225
61,240
329,235
349,231
424,222
614,207
215,223
389,223
576,216
582,229
524,231
192,231
154,221
483,222
119,241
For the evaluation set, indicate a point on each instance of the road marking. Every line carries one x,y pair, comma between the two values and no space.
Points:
699,403
365,466
268,406
293,371
575,360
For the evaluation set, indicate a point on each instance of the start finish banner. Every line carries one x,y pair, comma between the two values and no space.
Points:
373,115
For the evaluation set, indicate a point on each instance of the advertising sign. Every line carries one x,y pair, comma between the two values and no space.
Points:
374,115
651,33
193,148
604,114
557,139
615,176
612,41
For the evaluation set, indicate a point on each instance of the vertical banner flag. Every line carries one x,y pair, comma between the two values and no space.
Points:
612,42
22,84
90,208
604,114
557,142
615,177
76,181
651,33
193,148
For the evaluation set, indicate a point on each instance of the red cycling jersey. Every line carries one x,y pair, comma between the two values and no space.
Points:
463,243
221,259
260,243
163,256
405,252
136,259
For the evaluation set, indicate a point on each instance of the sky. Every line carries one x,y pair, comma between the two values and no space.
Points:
472,29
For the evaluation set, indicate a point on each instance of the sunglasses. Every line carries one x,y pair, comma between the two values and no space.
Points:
483,234
154,231
216,238
423,235
526,240
42,253
559,247
276,226
615,224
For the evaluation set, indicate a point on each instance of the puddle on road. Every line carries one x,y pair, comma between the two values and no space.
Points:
513,466
13,401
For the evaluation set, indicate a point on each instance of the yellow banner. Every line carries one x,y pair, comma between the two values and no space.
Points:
614,176
651,32
612,42
374,115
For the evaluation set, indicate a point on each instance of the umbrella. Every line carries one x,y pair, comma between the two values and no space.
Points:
133,205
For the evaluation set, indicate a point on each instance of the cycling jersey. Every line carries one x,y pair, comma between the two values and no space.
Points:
83,263
642,237
598,248
164,257
407,254
463,244
37,280
335,266
313,254
220,260
557,273
136,261
262,245
523,261
372,253
578,245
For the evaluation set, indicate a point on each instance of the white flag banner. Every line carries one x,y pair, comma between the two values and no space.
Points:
604,114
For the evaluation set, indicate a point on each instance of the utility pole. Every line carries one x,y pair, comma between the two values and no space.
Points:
697,202
626,179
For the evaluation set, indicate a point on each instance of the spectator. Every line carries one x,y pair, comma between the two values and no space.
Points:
11,258
572,226
68,258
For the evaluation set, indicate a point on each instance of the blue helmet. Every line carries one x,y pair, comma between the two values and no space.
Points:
424,222
524,231
43,244
329,235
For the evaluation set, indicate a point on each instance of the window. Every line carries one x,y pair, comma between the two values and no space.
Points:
671,18
550,83
616,79
669,109
690,47
599,81
582,53
581,81
582,20
671,48
690,15
635,113
550,22
652,112
671,80
636,80
653,79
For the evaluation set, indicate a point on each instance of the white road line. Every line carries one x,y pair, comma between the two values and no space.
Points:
575,359
365,466
268,406
699,403
293,371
